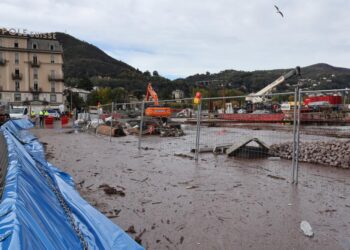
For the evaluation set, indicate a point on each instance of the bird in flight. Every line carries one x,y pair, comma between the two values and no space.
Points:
278,11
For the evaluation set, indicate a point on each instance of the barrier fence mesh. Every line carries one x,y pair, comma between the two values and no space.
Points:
173,135
242,126
324,131
259,121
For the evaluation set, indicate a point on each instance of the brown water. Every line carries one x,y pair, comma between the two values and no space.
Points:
217,203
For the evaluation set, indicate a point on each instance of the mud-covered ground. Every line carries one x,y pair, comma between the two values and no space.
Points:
173,202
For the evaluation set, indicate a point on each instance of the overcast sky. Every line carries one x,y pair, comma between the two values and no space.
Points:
184,37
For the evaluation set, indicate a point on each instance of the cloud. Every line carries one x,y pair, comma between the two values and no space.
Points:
185,37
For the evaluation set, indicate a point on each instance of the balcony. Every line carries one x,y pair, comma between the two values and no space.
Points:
35,64
17,76
57,78
35,90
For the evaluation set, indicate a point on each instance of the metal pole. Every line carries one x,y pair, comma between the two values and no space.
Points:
298,139
198,130
98,119
110,135
141,124
294,132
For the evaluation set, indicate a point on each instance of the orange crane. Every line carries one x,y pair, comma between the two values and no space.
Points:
156,110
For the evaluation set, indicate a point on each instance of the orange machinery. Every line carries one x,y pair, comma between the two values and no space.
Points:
156,110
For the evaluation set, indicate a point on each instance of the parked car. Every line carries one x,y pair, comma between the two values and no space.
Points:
54,113
18,112
242,111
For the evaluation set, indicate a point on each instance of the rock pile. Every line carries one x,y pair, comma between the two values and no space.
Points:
171,132
331,153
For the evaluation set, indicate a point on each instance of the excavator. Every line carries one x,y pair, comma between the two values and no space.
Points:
156,110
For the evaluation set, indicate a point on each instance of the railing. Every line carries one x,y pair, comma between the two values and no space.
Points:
35,64
57,78
35,90
17,76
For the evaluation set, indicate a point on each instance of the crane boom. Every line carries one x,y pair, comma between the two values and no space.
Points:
256,97
151,93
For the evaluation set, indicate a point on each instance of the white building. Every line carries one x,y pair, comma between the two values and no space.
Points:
178,94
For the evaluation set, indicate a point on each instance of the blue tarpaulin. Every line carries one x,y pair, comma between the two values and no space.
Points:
40,207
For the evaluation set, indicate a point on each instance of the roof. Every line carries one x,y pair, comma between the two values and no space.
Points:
81,91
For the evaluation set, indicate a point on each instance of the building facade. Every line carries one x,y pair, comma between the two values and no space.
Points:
31,70
178,94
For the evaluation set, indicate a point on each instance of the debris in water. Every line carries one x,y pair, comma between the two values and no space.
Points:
181,239
81,183
185,156
306,228
111,190
276,177
131,230
113,213
167,239
157,202
138,237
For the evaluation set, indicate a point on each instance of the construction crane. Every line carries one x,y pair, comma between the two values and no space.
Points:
258,97
156,110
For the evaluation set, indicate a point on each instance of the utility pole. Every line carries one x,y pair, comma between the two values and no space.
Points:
71,100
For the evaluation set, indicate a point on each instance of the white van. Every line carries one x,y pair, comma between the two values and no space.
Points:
18,112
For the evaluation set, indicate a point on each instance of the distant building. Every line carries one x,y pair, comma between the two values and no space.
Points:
31,69
82,93
178,94
212,84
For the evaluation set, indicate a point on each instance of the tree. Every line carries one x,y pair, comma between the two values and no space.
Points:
75,100
85,83
147,73
119,95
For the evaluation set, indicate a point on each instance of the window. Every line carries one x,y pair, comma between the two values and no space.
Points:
34,45
17,97
0,42
0,96
35,75
52,98
53,73
36,97
17,72
17,86
16,58
52,47
36,86
52,58
53,89
35,59
16,44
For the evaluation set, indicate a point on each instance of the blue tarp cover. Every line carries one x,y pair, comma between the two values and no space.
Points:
40,208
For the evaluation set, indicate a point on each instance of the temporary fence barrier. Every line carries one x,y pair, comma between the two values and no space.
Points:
323,128
246,125
40,208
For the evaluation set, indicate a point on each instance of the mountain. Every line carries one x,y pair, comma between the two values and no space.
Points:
85,64
317,76
82,59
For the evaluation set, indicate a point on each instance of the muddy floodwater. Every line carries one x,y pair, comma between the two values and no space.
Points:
172,202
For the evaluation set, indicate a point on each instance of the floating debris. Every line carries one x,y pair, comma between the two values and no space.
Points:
306,228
